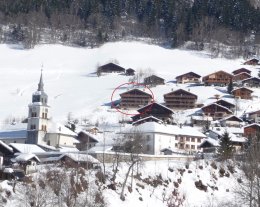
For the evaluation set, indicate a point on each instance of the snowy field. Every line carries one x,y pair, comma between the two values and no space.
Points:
72,86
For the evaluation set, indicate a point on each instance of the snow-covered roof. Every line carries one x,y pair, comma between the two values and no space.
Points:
149,117
202,118
68,149
233,137
218,106
155,104
13,131
23,157
231,116
210,140
253,124
100,148
26,148
6,146
60,129
242,88
154,127
80,157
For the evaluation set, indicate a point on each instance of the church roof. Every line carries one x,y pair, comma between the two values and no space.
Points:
40,84
13,131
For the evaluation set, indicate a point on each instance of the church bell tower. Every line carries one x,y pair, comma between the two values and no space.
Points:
38,116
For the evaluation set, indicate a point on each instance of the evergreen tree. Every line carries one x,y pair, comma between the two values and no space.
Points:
225,149
258,73
230,86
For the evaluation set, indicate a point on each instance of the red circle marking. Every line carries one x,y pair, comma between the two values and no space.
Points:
135,84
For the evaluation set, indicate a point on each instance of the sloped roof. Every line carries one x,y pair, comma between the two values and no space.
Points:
223,107
189,73
154,104
251,78
111,65
136,90
242,88
237,72
153,76
227,102
220,71
230,117
23,157
60,129
79,157
180,90
26,148
148,117
250,125
6,146
14,131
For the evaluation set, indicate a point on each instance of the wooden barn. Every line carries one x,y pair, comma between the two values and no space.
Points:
156,110
241,76
180,99
252,82
220,78
216,111
243,93
241,70
225,103
251,62
130,72
252,130
190,77
253,116
153,80
111,68
135,98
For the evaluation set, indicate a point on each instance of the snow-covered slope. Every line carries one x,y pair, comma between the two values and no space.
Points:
71,84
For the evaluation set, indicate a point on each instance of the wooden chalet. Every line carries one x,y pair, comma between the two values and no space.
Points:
190,77
135,98
251,62
231,121
220,78
241,70
153,80
253,116
111,68
252,82
130,72
243,93
180,99
86,140
156,110
252,130
216,111
225,103
146,119
241,76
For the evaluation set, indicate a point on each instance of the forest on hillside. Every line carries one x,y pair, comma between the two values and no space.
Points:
212,23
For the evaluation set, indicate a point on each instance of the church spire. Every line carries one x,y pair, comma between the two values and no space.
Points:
40,84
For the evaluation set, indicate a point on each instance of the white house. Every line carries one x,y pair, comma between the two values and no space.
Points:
158,136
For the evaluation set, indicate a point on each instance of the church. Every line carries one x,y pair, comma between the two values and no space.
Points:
40,129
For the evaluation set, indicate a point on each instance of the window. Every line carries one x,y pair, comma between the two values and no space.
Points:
33,126
187,146
193,139
192,146
34,114
148,138
198,140
176,138
188,139
176,145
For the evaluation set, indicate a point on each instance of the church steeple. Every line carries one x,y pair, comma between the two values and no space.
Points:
40,84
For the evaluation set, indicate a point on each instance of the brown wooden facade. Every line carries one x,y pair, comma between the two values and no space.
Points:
251,130
220,78
216,111
241,76
243,93
156,110
190,77
153,80
180,99
111,68
135,98
241,70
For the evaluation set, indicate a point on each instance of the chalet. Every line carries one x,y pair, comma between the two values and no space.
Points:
27,162
78,160
156,110
251,62
220,78
241,76
231,121
214,135
6,153
252,130
146,119
158,136
201,120
243,93
190,77
253,116
111,68
241,70
180,99
135,98
87,140
130,72
216,111
225,103
251,82
153,80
